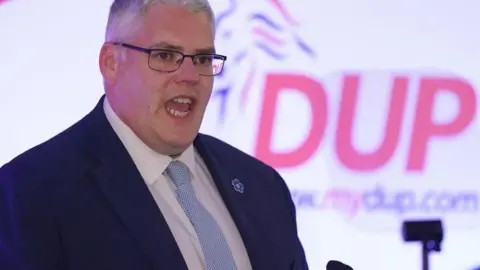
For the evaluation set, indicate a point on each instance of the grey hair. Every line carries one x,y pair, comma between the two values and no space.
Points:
125,15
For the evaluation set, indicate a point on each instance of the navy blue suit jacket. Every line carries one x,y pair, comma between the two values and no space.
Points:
78,202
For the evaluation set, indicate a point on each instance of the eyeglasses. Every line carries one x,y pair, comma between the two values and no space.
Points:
170,60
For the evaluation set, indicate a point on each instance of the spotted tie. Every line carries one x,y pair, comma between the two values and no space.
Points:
214,246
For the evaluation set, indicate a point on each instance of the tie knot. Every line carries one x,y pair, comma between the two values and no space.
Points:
178,172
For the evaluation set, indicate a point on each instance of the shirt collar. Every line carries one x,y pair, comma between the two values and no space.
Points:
150,163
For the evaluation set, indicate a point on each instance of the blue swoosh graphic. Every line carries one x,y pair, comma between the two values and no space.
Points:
304,47
228,12
270,51
269,22
239,57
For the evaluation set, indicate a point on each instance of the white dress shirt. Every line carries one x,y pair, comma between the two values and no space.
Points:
152,166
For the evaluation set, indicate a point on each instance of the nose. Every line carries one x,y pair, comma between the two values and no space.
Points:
187,71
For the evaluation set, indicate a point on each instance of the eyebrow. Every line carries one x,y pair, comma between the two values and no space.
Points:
168,46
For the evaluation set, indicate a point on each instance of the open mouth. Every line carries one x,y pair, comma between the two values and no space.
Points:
179,107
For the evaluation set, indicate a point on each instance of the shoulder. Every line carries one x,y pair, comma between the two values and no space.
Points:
40,171
227,153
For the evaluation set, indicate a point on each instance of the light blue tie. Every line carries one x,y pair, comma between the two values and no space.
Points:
215,249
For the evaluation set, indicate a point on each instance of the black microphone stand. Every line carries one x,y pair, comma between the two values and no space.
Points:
427,247
425,256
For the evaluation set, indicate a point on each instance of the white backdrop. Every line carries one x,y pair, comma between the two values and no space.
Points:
367,108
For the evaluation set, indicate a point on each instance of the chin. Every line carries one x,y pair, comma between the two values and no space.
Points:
179,144
177,134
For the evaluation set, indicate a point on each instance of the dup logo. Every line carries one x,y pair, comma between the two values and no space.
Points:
398,144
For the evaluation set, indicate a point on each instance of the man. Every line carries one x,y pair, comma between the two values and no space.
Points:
133,185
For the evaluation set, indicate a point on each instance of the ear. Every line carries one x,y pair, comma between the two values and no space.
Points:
108,63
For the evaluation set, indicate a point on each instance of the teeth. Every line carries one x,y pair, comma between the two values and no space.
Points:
183,100
177,113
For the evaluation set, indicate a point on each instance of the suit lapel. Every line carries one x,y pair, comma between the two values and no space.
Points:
123,186
238,204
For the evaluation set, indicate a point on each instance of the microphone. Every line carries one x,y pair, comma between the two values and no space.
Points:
336,265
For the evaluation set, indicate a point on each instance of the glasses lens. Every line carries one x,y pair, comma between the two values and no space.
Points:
217,66
209,65
165,61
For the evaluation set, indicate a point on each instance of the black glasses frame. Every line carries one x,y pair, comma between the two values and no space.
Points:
191,56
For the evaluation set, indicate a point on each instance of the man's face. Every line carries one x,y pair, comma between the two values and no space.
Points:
165,109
